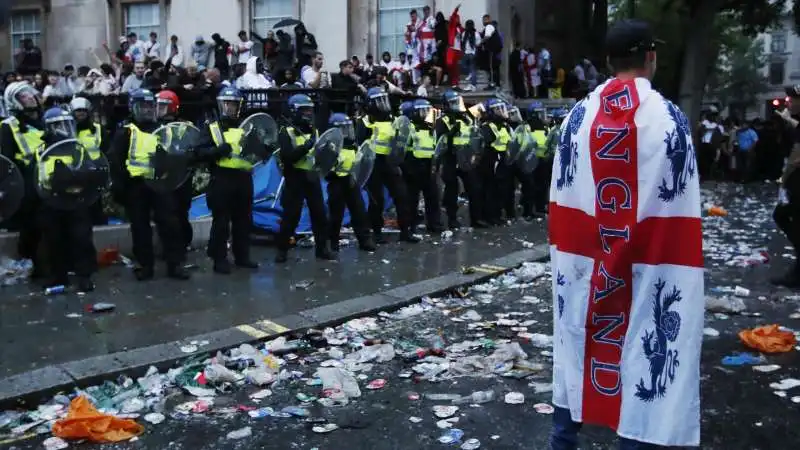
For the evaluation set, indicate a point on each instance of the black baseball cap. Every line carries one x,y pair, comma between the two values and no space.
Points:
630,36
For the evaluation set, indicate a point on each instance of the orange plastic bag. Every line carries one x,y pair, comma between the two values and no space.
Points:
83,421
717,211
768,339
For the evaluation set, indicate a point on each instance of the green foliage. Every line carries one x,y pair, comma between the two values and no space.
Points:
738,78
735,24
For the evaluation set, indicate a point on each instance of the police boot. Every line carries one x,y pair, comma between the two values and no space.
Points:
453,223
335,245
282,256
222,266
380,239
790,279
367,244
178,272
324,252
408,236
143,273
85,284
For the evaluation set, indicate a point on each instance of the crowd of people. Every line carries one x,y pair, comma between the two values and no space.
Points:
439,51
489,179
732,149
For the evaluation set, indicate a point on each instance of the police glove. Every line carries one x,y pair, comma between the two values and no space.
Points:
61,177
224,150
159,161
456,128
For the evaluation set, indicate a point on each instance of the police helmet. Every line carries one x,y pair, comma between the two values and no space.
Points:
378,99
229,102
301,109
142,105
59,123
452,101
422,108
344,124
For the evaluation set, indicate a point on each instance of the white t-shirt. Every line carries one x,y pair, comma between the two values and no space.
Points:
308,75
488,31
244,50
422,91
153,49
544,60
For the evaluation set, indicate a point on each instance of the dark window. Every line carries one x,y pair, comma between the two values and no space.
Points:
776,73
778,43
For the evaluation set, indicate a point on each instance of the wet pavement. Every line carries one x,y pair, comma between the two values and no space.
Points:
740,409
38,330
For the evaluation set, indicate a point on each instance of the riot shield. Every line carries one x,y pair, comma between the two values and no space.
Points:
169,163
184,136
402,133
70,176
515,145
363,165
528,161
441,149
260,137
326,150
467,157
12,188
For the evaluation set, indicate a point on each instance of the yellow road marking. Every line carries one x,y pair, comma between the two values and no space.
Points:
271,326
496,268
252,331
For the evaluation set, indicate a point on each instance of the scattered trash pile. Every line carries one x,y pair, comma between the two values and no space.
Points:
14,271
737,238
321,370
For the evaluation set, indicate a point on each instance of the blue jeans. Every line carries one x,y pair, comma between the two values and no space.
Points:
565,434
468,66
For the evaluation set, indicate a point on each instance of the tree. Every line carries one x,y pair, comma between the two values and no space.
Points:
694,30
739,79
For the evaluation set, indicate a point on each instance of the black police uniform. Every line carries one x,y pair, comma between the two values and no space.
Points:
141,202
495,173
390,176
67,236
25,219
342,191
451,125
89,132
183,197
418,171
301,182
229,194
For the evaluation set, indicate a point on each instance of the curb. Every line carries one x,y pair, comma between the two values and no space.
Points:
30,388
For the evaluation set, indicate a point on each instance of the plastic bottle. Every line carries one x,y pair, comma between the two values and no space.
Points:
443,397
477,397
54,290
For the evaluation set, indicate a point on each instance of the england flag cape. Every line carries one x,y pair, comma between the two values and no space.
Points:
626,254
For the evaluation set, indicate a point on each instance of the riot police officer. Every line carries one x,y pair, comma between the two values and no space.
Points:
540,179
168,109
66,232
496,177
342,191
134,159
528,143
544,171
230,192
419,169
91,135
376,126
301,181
455,123
21,138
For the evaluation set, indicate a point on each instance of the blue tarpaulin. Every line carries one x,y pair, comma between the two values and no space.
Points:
266,204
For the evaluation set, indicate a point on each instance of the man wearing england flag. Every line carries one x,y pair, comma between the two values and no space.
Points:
626,251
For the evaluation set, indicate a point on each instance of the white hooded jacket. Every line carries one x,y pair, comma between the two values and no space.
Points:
251,79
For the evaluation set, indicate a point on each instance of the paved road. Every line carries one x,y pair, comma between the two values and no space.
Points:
739,408
35,330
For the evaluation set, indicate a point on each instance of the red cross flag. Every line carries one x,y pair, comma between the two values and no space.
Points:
626,252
